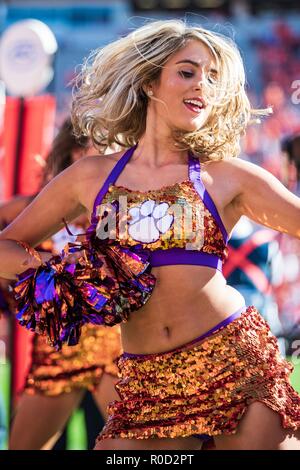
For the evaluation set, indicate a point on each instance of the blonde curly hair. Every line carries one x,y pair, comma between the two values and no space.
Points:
110,105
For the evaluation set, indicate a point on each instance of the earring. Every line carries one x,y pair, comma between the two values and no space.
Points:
150,93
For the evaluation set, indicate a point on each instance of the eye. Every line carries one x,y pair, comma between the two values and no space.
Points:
212,77
186,73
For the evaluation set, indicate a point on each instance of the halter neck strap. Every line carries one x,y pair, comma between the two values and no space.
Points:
195,177
112,177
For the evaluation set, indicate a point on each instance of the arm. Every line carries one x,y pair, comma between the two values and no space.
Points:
263,198
41,219
11,209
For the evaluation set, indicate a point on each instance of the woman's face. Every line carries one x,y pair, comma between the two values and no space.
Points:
180,88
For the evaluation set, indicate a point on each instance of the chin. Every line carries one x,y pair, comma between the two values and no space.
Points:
186,126
191,128
183,126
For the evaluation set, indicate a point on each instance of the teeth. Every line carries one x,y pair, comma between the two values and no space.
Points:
194,102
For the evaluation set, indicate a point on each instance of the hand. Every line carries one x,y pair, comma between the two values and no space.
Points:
72,258
34,261
45,256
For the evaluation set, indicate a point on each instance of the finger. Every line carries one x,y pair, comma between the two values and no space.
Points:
46,256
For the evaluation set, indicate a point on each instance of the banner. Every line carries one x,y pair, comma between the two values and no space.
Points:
27,137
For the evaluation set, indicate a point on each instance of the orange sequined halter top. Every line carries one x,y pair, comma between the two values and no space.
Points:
177,224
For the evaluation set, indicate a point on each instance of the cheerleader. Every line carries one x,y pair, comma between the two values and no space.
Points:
197,362
56,381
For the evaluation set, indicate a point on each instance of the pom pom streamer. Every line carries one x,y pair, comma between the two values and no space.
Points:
105,284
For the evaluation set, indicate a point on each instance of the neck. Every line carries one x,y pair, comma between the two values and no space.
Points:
157,147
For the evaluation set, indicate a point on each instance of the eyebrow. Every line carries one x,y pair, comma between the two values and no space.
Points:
196,64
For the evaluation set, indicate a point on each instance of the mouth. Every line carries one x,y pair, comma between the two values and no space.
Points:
195,105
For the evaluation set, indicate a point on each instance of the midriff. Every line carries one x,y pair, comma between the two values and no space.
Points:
186,302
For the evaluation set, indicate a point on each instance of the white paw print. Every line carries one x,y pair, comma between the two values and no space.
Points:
149,220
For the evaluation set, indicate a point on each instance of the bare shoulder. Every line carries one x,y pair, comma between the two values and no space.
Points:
239,170
232,164
99,164
244,167
91,172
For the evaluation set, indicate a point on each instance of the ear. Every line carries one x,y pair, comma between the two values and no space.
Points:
147,89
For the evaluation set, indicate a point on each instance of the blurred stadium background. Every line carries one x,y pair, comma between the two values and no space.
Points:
268,34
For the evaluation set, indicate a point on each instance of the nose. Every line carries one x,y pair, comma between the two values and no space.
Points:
197,86
198,80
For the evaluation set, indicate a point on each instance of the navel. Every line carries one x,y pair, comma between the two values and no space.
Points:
167,332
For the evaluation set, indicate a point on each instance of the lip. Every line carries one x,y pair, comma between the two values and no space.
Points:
197,98
191,107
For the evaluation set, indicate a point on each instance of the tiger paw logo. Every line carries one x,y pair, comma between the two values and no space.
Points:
149,220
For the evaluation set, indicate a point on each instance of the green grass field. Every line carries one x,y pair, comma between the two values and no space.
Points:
295,377
5,395
76,432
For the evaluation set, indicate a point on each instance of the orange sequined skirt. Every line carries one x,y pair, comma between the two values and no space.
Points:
203,389
81,366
